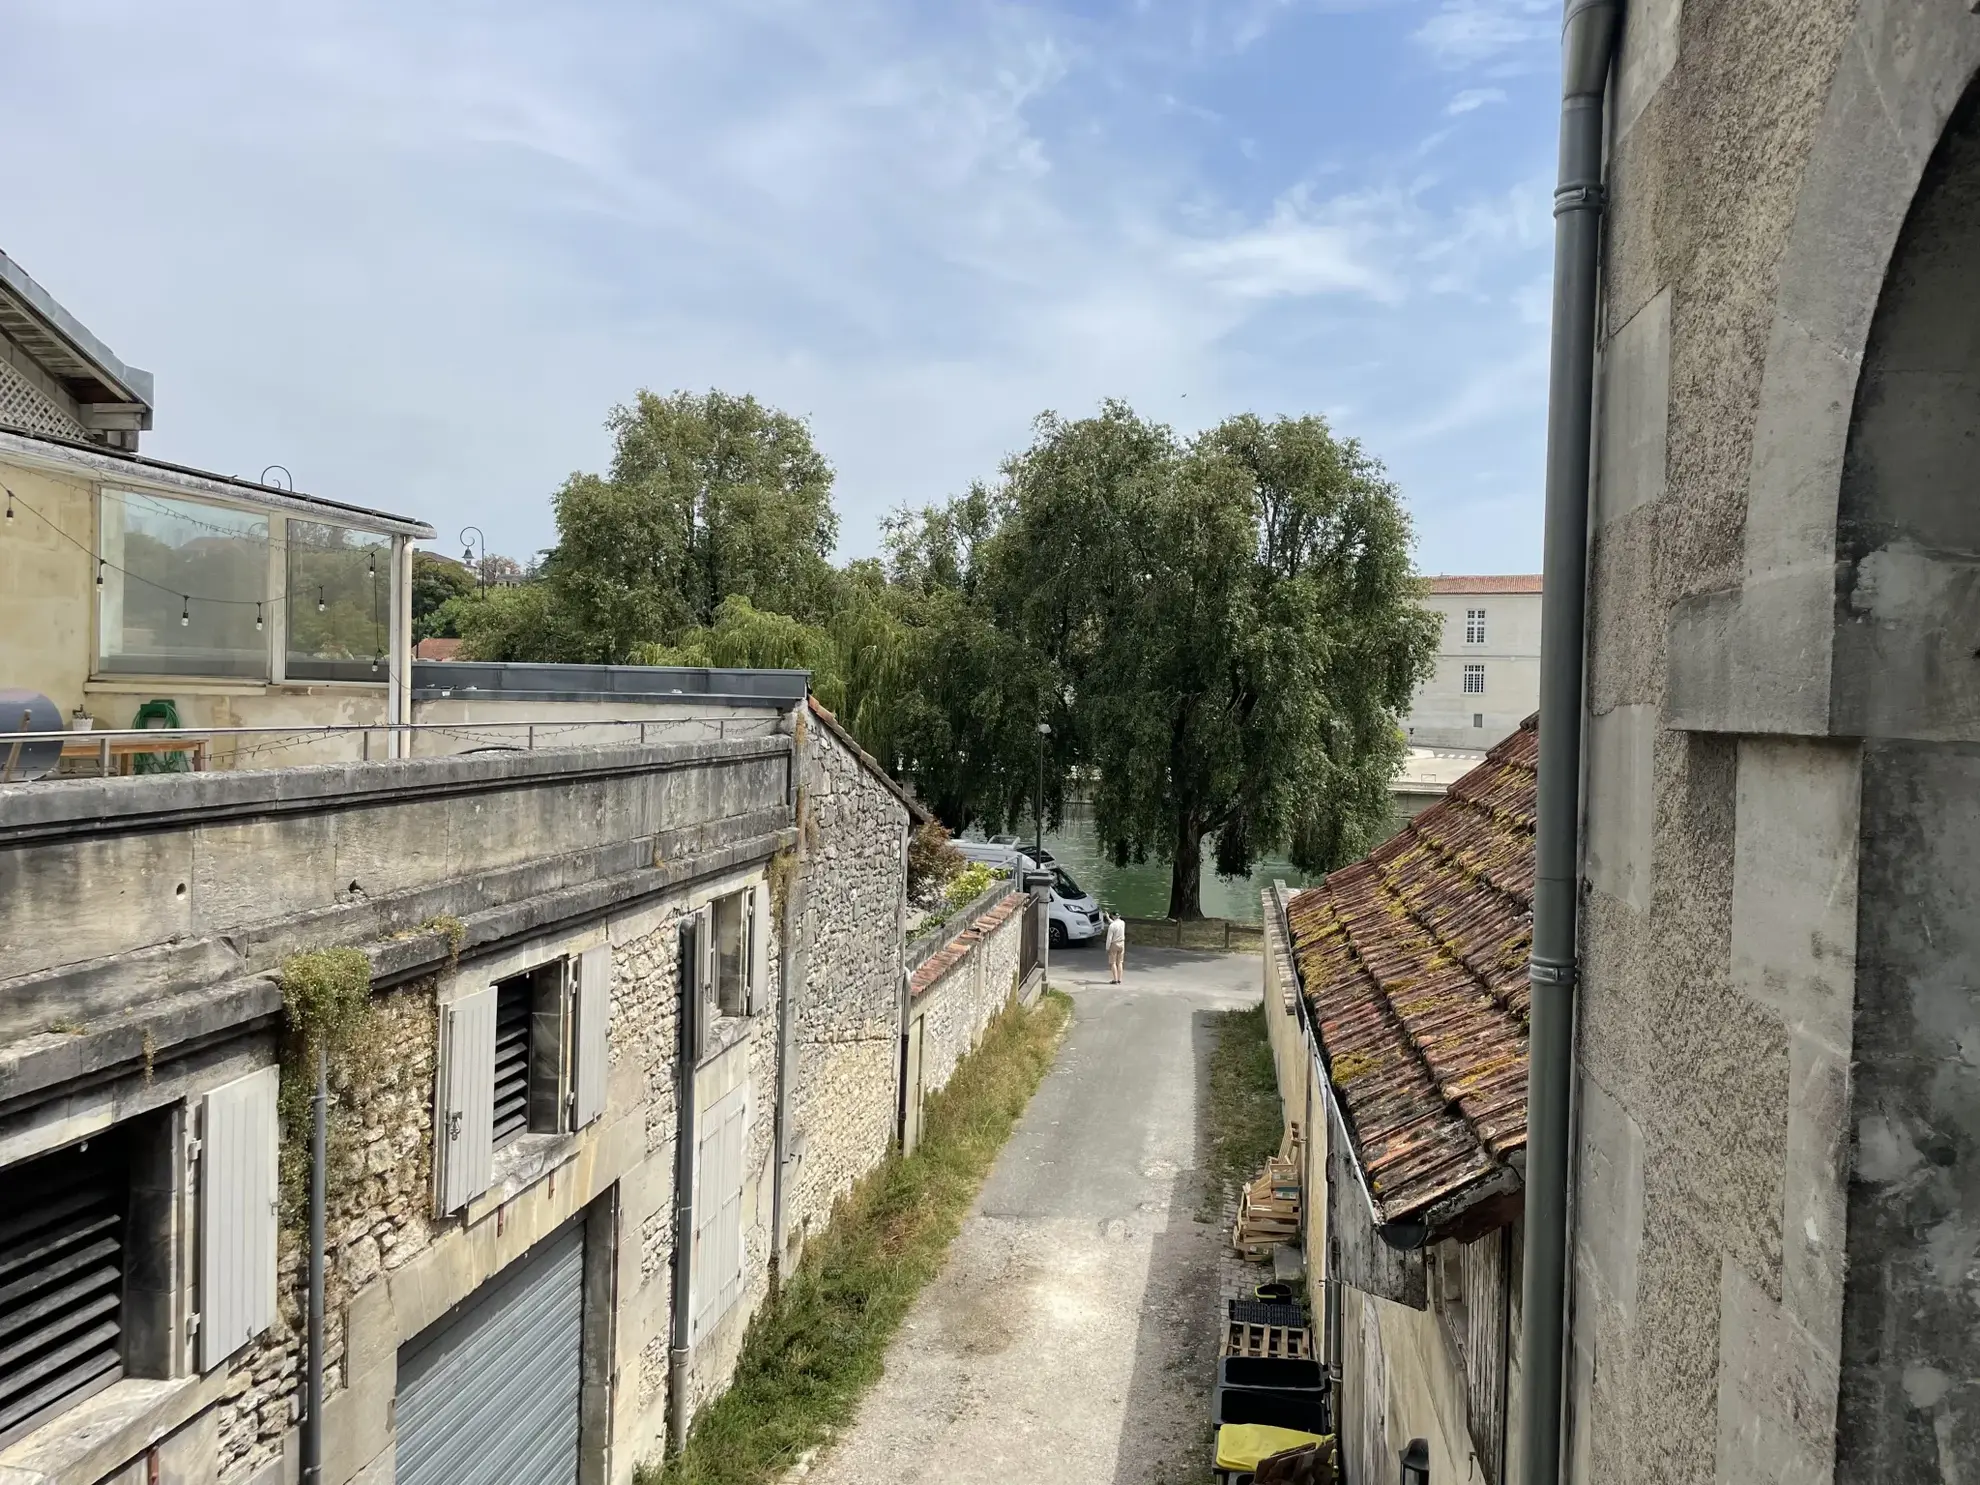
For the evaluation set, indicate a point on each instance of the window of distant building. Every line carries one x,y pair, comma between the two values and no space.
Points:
1478,719
1474,626
1474,680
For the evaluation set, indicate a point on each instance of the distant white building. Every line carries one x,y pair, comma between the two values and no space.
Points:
1488,662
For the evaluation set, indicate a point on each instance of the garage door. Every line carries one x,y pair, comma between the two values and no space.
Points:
489,1395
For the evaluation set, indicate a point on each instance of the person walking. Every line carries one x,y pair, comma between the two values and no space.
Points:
1116,944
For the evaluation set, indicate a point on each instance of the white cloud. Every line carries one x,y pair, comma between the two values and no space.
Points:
1469,33
1474,98
416,261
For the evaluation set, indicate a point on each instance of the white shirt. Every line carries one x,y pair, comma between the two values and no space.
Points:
1116,933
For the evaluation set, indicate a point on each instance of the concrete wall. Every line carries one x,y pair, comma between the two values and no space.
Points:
847,977
1441,715
1771,1116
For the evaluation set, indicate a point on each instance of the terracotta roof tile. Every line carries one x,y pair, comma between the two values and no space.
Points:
1413,963
1523,582
957,949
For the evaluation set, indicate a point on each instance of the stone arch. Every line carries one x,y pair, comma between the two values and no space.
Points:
1906,679
1760,658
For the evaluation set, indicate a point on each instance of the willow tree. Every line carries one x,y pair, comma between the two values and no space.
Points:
1235,631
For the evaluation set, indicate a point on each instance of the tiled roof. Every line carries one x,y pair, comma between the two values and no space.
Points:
437,649
1516,583
1413,964
957,949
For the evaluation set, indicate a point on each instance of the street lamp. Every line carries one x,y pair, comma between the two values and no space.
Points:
470,538
1038,853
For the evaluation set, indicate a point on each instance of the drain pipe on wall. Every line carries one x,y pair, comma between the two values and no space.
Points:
1588,41
311,1470
679,1343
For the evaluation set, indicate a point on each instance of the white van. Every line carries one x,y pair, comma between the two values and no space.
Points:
1072,917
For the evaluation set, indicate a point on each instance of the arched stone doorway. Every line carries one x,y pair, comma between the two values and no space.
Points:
1906,679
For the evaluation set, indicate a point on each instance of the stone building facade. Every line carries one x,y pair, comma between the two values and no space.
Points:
147,923
848,906
1777,1194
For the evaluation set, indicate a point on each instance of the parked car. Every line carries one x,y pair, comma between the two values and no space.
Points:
1072,916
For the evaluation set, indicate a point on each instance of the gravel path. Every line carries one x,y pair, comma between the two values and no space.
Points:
1069,1339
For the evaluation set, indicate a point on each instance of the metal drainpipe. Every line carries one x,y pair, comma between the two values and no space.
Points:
679,1353
1588,38
312,1420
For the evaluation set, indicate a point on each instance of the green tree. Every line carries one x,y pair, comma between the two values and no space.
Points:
1233,628
435,581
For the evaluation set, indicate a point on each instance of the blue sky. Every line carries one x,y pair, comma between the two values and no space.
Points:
414,253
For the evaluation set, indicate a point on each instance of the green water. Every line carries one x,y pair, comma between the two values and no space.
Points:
1143,891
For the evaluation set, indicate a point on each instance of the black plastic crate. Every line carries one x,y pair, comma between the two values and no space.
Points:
1305,1411
1257,1312
1271,1374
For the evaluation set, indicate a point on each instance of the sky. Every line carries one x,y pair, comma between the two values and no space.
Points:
414,254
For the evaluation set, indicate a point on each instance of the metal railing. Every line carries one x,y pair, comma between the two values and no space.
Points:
107,744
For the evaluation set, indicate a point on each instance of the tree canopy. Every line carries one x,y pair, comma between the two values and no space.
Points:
1220,632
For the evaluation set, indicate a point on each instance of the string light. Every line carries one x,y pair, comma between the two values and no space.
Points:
371,564
319,600
374,665
10,505
185,610
99,572
257,618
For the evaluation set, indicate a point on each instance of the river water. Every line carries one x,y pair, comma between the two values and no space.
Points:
1143,891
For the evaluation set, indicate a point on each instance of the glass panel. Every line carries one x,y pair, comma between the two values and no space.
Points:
729,954
183,587
340,602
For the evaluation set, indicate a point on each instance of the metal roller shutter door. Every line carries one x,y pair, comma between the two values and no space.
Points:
490,1396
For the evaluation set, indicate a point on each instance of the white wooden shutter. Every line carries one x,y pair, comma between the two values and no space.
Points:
464,1131
592,1051
716,1274
756,923
237,1219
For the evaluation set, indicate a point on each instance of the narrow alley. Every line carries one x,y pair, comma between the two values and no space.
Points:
1070,1336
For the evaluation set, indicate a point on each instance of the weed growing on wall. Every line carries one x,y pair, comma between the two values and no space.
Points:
326,1002
813,1351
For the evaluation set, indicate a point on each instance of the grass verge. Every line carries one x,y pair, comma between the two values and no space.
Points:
1245,1120
809,1357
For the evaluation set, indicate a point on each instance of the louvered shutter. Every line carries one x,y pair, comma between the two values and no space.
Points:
718,1192
759,950
464,1132
237,1220
592,1049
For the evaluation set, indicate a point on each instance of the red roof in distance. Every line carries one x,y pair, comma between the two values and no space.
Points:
1514,583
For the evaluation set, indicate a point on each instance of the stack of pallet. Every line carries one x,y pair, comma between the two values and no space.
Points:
1268,1213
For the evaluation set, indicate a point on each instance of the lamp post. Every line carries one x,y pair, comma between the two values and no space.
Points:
1038,851
471,537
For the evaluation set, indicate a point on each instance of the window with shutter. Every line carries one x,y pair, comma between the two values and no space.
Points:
464,1132
62,1240
237,1220
512,1018
727,915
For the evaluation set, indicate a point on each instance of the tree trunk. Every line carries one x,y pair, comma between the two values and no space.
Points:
1186,874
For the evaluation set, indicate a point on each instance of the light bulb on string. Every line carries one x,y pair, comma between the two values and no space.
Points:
257,618
374,665
319,600
10,505
99,572
371,564
185,611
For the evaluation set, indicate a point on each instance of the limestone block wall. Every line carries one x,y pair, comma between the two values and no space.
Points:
956,1003
847,993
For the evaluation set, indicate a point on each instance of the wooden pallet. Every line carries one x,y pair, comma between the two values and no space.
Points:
1279,1342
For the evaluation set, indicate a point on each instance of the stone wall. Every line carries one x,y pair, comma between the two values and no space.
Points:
975,978
846,1022
1731,1214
